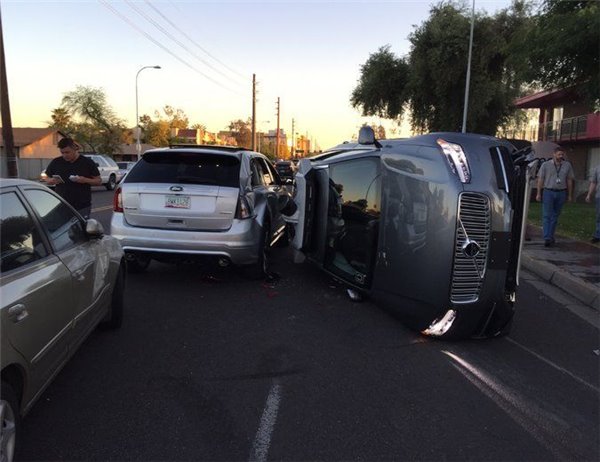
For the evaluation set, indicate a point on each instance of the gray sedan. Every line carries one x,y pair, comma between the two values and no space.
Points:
60,277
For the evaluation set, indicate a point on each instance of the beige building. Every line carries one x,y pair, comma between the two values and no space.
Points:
35,148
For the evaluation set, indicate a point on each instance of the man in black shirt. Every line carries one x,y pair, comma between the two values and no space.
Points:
73,176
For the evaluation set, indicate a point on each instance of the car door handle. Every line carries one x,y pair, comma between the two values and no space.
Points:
17,313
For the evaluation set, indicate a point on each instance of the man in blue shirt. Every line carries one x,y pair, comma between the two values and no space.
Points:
555,178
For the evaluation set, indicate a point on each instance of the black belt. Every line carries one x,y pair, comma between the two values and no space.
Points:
555,190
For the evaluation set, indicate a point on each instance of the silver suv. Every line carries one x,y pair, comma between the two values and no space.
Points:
184,202
110,172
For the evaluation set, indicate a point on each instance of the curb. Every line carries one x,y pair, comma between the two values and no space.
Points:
577,288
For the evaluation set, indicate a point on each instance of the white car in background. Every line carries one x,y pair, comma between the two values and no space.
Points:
110,172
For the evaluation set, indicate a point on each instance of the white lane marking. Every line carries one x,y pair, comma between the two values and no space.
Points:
262,440
542,425
100,209
555,366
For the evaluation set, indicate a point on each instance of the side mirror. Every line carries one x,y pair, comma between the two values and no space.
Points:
94,229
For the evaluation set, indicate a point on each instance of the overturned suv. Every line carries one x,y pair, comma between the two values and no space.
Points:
431,227
192,202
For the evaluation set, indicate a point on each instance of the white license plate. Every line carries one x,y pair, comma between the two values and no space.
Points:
177,202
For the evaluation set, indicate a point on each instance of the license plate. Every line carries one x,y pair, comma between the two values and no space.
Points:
177,202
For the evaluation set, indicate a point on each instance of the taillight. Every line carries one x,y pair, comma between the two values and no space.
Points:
118,201
243,209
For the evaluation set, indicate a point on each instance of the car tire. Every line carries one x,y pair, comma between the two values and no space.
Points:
10,420
138,263
260,269
112,182
114,317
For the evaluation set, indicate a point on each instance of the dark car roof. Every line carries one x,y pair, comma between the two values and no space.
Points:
350,150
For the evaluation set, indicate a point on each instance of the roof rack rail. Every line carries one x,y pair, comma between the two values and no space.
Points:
209,146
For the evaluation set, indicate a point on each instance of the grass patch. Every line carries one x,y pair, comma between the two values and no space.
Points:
576,220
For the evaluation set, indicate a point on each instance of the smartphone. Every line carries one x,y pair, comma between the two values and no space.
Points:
58,178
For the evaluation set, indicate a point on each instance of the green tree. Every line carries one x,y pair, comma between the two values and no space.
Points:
61,120
241,131
430,82
562,48
381,87
85,115
159,132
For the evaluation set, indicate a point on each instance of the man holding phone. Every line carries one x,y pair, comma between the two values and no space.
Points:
73,176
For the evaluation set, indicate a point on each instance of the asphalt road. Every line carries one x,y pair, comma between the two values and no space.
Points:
211,366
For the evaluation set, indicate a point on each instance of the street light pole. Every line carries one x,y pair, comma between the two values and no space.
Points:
464,124
138,145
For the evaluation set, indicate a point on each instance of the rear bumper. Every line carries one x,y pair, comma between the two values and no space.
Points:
239,244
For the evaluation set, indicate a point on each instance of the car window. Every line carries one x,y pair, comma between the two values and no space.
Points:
62,224
359,184
122,165
110,161
257,178
20,241
265,173
99,160
186,167
274,173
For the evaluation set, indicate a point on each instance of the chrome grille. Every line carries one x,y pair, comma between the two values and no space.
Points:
473,226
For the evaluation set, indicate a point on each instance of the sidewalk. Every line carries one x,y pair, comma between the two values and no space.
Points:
571,265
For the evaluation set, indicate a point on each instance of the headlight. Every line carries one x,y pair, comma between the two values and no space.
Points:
457,159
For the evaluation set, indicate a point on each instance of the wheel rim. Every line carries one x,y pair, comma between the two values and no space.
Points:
8,432
112,182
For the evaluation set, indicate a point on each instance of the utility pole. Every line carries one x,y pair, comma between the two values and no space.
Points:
253,112
277,134
12,164
467,83
292,152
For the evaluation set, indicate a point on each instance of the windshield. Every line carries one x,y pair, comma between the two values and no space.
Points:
186,167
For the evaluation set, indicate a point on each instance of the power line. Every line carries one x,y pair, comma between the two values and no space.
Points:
192,40
160,45
169,35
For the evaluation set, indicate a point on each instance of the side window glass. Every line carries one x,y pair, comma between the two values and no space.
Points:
256,173
62,224
266,173
99,160
358,183
273,172
20,240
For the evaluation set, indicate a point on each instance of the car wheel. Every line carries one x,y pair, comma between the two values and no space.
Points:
261,268
138,263
114,318
112,182
10,422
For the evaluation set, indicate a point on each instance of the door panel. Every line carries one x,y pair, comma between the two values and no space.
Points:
85,259
37,302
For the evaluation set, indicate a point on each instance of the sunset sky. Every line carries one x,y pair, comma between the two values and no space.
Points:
308,53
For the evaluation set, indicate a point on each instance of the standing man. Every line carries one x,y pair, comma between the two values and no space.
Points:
555,177
594,187
73,176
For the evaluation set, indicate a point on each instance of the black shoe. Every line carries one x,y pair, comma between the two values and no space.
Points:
547,243
595,240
